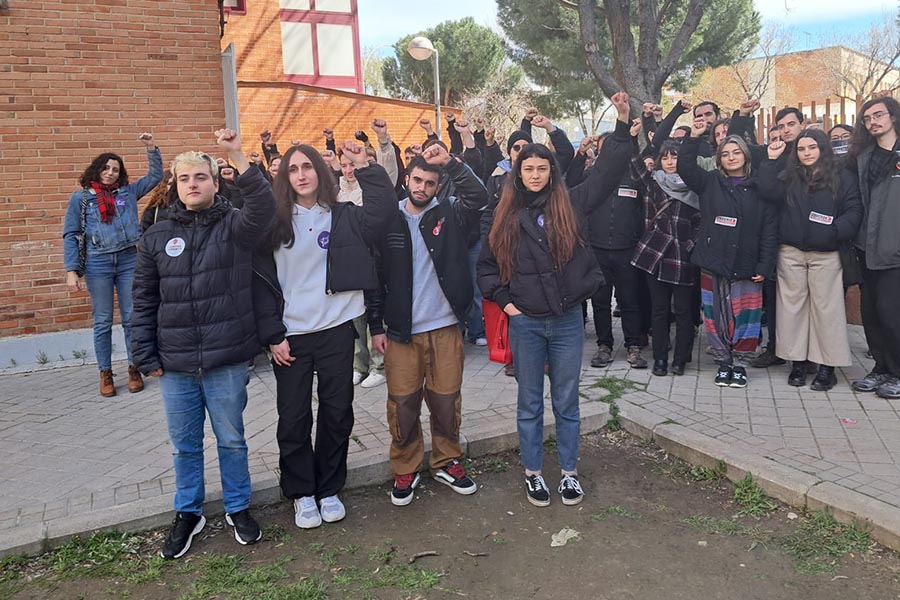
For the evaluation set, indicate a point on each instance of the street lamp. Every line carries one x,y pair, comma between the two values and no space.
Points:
421,48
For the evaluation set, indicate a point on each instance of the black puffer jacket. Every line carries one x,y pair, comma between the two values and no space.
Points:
537,287
738,236
350,263
815,221
193,308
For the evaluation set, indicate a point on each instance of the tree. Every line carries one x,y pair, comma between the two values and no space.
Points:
502,100
866,63
755,75
469,53
542,45
373,68
653,43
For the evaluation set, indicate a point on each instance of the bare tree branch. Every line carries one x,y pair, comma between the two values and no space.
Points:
588,26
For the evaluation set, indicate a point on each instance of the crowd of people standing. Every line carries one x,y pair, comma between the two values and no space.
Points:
367,264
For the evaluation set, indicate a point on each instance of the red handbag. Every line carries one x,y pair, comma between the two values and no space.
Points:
496,328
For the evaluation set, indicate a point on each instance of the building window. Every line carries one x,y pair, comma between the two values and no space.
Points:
235,7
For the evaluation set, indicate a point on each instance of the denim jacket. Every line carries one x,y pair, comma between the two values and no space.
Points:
123,231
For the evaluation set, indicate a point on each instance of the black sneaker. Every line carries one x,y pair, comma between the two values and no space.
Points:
404,488
723,376
738,377
766,359
570,490
246,529
185,527
870,382
537,491
454,475
602,357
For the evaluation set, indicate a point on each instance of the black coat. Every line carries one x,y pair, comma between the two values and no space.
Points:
537,287
738,236
618,223
193,307
350,264
815,220
445,228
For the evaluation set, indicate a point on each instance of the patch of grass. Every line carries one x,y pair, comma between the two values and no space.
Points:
494,464
616,386
820,542
12,362
41,358
679,469
276,533
752,500
381,556
11,574
550,444
615,511
228,577
104,553
613,424
331,557
717,525
79,354
404,577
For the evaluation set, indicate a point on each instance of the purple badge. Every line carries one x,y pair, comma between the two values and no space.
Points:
322,240
120,202
541,220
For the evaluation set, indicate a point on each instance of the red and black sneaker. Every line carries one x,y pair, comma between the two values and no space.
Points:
404,486
453,474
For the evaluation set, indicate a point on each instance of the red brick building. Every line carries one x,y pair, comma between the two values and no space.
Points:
78,79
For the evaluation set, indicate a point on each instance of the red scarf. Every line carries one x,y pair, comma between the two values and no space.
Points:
106,200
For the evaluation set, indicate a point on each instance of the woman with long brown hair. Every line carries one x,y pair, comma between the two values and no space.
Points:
538,268
308,290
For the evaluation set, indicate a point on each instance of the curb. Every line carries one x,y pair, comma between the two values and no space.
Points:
367,469
791,486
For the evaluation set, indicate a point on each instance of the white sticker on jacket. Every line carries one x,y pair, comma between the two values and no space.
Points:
625,192
175,247
820,218
726,221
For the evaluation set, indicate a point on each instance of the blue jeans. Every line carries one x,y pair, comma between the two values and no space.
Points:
188,397
475,320
558,341
105,274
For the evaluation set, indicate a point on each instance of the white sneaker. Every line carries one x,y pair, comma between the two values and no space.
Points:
357,377
306,513
482,341
332,509
373,380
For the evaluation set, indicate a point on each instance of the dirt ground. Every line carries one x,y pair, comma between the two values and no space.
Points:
648,529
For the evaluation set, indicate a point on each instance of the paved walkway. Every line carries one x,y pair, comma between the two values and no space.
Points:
70,455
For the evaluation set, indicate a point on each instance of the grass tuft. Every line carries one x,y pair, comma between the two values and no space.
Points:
820,543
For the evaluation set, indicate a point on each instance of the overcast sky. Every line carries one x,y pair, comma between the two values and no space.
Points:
383,22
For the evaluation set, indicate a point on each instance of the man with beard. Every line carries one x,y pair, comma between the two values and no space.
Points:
428,291
875,151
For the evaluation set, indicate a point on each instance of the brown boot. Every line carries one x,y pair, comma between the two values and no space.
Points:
107,387
135,383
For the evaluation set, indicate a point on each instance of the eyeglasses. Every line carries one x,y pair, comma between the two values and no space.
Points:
875,116
842,136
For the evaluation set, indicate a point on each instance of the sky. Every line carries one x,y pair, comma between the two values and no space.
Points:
816,22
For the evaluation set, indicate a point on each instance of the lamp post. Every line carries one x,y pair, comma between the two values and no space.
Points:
421,48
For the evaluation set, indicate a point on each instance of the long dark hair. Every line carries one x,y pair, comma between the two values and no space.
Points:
561,224
92,173
861,137
282,231
824,174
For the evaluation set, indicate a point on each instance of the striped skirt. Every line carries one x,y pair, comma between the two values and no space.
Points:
732,311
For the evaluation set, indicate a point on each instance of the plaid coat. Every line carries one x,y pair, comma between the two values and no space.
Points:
670,231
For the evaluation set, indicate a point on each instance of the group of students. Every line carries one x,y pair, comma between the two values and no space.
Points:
293,252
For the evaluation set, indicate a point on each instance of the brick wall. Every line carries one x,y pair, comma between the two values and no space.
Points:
300,112
257,41
78,79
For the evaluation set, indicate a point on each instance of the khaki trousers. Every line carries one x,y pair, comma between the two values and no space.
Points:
811,318
429,368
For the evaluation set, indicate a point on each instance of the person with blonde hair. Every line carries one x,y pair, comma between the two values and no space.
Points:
194,329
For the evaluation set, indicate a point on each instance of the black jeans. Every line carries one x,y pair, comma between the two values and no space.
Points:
881,321
619,274
322,471
681,298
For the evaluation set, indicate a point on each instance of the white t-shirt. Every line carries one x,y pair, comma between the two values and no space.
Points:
301,274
